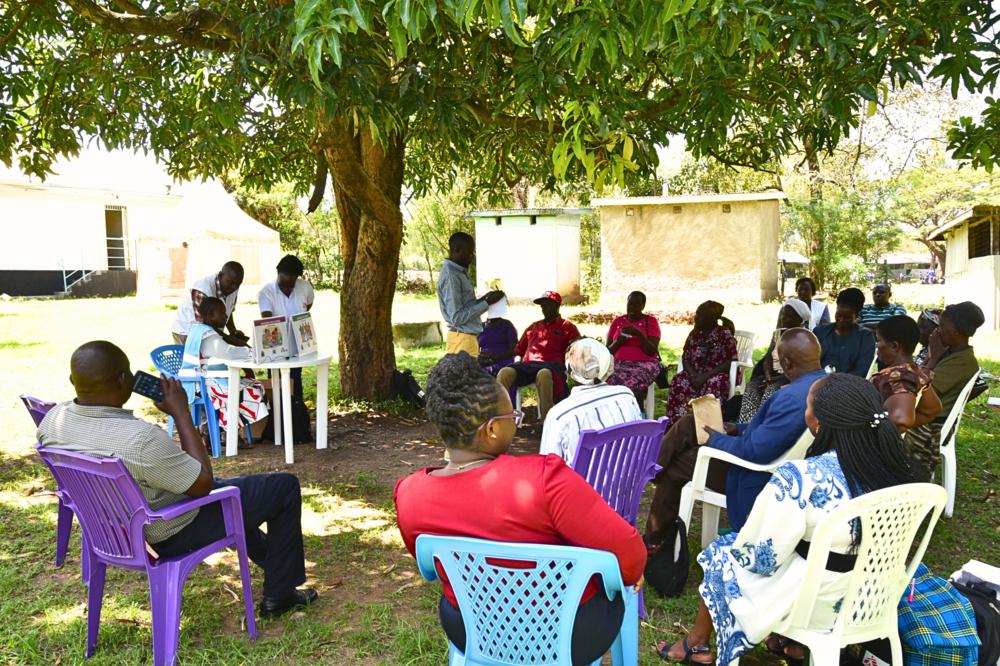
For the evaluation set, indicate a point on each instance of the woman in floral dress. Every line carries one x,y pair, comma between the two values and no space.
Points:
905,387
708,351
752,577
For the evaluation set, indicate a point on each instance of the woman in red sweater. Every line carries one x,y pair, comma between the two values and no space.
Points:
484,493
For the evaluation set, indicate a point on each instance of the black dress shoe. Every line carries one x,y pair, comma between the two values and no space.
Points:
271,607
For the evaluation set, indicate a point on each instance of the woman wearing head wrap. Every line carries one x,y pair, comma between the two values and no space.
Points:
847,345
767,377
591,405
954,363
708,352
752,577
634,338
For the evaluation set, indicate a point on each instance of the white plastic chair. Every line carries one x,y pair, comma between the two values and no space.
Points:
517,399
949,431
711,501
890,519
649,404
745,341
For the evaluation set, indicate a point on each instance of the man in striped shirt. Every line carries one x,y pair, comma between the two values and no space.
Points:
591,405
880,308
96,424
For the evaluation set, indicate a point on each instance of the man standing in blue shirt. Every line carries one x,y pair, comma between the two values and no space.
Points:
776,428
460,308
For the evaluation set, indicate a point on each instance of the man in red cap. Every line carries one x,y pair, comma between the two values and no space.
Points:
542,350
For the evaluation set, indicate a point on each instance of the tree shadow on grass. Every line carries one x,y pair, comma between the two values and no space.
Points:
373,605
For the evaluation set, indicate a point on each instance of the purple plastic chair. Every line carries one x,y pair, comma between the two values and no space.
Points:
64,522
112,512
618,462
37,407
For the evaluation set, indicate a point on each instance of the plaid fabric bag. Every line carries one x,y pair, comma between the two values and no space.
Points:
936,624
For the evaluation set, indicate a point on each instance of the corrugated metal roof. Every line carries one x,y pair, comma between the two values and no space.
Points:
690,199
527,212
964,216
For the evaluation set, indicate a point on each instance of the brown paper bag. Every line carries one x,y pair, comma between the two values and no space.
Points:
707,411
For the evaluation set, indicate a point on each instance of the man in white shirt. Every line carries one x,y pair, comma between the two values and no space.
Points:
288,295
591,405
225,286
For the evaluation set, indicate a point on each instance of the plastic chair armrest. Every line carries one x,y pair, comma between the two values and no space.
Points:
175,510
708,452
425,559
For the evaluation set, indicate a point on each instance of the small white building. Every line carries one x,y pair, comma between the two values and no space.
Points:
530,250
120,220
972,262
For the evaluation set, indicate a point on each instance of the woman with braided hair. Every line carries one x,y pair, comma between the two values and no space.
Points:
484,493
752,577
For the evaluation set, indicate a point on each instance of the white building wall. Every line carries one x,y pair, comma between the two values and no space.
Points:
976,280
529,258
43,230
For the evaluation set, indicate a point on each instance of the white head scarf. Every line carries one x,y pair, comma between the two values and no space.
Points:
801,309
587,360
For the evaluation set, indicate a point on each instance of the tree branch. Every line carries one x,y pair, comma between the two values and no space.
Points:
29,7
195,27
488,117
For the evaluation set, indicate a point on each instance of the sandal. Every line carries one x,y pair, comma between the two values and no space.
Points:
689,652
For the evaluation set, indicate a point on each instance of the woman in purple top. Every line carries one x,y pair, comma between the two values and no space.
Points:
496,345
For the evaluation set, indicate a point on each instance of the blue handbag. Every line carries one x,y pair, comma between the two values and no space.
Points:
936,623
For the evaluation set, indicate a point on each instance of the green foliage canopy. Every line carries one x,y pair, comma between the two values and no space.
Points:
500,88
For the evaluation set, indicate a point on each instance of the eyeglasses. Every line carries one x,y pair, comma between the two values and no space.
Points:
516,415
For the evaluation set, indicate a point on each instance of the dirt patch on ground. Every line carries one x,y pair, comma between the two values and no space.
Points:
385,446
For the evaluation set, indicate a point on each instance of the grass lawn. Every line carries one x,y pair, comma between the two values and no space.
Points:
373,609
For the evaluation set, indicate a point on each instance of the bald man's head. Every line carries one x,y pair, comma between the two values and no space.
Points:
100,373
798,352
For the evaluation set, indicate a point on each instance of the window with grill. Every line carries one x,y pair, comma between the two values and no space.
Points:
979,240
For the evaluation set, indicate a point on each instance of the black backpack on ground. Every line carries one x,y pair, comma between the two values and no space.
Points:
667,570
986,607
301,425
406,388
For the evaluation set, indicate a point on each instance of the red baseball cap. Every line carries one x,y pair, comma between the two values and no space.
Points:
549,296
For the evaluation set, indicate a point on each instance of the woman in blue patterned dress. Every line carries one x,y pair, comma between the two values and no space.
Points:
751,578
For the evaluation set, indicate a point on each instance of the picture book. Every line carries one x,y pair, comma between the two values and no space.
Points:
305,333
270,339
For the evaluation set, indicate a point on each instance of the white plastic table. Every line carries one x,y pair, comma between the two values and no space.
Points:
281,385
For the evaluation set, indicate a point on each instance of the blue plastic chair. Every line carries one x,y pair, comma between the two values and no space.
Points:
167,360
518,615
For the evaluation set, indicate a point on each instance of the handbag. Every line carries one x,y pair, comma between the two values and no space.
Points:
667,570
936,623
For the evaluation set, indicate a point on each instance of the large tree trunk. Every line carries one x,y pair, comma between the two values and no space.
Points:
367,182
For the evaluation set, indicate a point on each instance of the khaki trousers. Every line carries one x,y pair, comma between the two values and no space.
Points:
459,342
